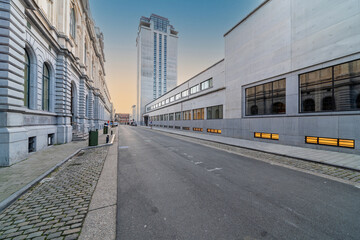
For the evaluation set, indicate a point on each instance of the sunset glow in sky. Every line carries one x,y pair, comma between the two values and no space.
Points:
201,25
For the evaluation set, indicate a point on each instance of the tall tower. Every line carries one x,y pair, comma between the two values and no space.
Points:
156,44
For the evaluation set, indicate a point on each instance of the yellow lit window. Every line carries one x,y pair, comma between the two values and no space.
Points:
337,142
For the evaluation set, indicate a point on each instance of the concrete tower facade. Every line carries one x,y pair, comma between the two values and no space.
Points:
156,61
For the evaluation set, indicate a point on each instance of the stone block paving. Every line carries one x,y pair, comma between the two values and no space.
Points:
56,207
333,171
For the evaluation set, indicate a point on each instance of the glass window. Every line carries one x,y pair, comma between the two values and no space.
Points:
268,98
178,116
172,99
195,89
171,116
72,22
335,88
206,84
167,101
163,103
87,106
198,114
45,88
187,115
27,80
215,112
178,96
185,93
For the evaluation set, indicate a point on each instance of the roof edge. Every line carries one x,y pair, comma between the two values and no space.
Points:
247,16
187,80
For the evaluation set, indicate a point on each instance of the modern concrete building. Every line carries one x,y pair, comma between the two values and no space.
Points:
291,75
156,61
52,82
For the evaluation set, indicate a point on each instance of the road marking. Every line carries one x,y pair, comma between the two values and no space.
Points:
189,156
214,169
357,186
197,163
123,147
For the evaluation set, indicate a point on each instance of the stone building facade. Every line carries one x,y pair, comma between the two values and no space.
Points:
52,82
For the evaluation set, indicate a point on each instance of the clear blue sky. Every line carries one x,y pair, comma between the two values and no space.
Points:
201,25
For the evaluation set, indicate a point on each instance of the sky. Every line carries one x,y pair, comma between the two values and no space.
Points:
201,25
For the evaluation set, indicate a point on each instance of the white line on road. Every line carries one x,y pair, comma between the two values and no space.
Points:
123,147
214,169
198,163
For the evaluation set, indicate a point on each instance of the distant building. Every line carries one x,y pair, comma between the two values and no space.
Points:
156,61
133,113
122,118
291,75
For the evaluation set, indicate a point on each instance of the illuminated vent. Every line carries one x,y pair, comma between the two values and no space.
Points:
214,130
198,129
186,128
336,142
273,136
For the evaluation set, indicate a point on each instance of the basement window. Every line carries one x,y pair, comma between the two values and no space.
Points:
32,144
50,139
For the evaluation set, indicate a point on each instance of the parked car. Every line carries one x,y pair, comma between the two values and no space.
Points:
116,124
133,124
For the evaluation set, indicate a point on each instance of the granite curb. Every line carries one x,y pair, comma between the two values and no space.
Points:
100,220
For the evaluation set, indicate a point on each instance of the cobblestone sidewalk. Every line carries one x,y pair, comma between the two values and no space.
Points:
56,207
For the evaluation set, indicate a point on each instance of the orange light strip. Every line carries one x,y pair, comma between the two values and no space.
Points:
214,130
273,136
336,142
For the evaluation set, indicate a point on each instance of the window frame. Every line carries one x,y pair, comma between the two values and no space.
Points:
45,98
264,92
222,112
27,90
332,88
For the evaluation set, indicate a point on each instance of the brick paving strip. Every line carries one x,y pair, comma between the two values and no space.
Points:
56,207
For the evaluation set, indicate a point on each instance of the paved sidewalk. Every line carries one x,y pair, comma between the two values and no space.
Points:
346,160
100,221
20,176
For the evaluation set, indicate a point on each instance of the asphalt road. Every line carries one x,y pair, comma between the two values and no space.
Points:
173,189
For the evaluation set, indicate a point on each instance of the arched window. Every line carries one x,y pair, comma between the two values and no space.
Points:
327,104
309,105
278,107
72,23
27,80
254,110
46,88
358,101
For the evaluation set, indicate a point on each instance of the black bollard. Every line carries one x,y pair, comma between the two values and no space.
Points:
107,139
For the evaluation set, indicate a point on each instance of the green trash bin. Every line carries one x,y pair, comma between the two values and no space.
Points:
106,129
93,138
